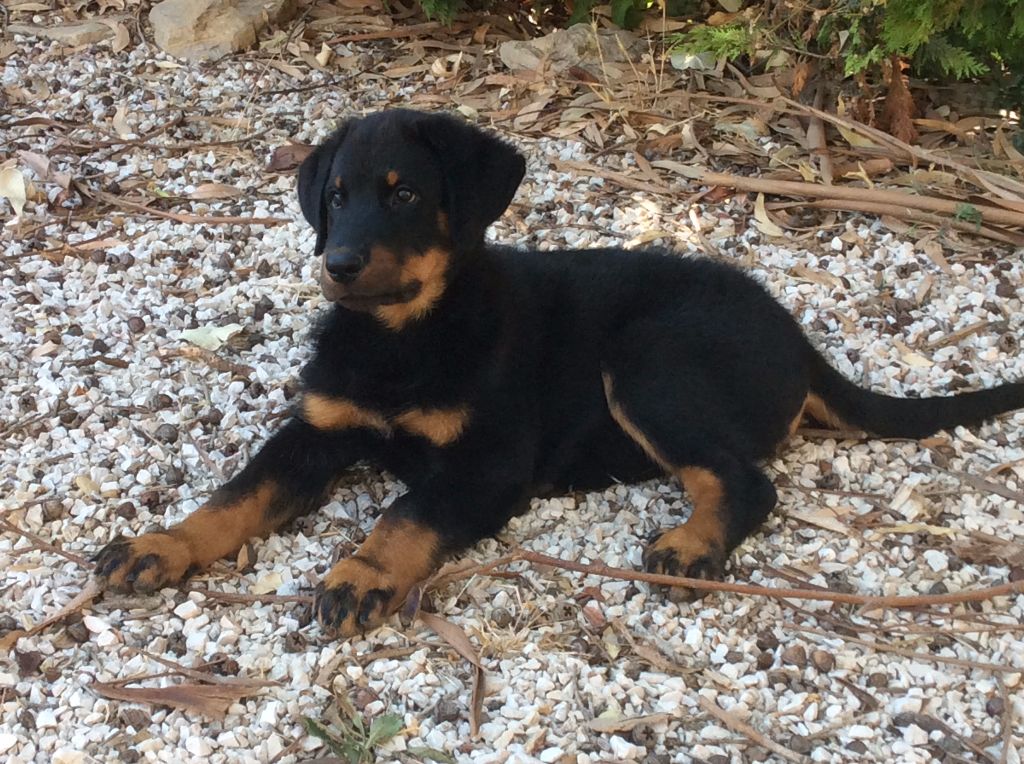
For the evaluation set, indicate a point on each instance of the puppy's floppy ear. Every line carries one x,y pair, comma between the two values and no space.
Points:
481,174
314,175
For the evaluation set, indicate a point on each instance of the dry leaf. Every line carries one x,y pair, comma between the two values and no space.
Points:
324,56
268,583
121,37
616,723
453,635
215,191
764,223
292,71
902,528
211,337
209,699
289,156
983,549
824,278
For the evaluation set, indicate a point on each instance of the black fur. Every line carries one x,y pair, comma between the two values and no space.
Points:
706,368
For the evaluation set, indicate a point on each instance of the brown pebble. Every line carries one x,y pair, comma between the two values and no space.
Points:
78,632
447,710
995,707
174,476
501,617
27,719
126,510
223,664
136,718
99,346
644,734
363,697
162,401
795,655
150,499
166,433
765,660
878,680
28,662
213,416
823,660
767,640
136,324
53,509
294,642
52,335
800,744
263,306
1004,289
1016,574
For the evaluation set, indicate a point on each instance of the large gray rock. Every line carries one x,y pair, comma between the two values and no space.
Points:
204,29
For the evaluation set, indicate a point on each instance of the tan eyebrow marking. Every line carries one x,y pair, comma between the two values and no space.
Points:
392,178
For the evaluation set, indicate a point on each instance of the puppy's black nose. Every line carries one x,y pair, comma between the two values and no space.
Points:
344,265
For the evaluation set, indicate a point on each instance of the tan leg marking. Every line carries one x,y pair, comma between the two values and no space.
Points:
392,178
820,412
440,426
327,413
359,592
798,419
635,434
429,270
215,530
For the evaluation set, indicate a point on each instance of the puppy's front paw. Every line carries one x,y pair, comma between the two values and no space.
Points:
683,552
356,596
143,564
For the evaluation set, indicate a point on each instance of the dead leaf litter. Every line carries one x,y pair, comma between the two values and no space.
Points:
151,337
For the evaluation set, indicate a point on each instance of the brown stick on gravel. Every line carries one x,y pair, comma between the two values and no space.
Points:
779,593
741,727
861,195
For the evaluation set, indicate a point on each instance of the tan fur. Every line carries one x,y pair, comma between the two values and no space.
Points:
427,268
208,534
820,412
392,178
440,426
634,432
328,413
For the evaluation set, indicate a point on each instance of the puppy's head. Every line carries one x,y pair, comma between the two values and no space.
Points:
399,200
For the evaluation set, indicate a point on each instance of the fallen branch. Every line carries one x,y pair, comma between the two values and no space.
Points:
739,726
778,593
876,196
920,216
179,217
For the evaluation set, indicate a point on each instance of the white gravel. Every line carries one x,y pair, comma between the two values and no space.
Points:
81,459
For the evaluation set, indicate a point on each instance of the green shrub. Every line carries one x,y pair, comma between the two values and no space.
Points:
957,39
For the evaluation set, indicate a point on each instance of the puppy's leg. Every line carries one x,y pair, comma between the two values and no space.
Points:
411,539
289,477
688,437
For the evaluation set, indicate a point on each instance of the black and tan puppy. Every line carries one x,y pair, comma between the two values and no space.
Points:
482,377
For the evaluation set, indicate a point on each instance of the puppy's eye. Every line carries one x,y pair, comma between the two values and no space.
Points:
337,199
405,195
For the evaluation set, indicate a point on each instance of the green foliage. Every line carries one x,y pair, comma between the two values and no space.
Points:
442,10
729,41
352,740
958,39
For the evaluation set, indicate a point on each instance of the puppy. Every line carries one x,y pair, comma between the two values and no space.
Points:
483,376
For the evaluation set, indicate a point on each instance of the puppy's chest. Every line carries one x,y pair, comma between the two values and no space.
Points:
441,425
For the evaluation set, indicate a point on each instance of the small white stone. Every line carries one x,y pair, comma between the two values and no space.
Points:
198,746
860,732
623,750
68,756
95,625
107,638
7,741
915,735
549,755
187,609
937,561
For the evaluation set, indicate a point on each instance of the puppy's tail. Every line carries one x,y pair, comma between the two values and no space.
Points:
835,401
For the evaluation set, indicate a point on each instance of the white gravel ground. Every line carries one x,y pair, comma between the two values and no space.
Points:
86,453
